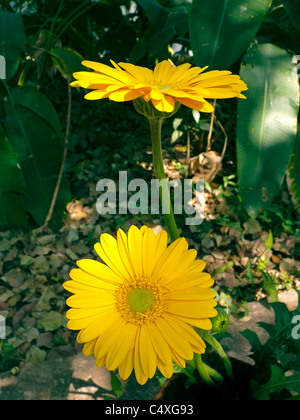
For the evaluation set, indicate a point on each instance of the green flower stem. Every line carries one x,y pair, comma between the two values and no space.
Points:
206,372
219,349
155,126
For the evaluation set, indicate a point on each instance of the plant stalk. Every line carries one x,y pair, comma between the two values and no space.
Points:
155,126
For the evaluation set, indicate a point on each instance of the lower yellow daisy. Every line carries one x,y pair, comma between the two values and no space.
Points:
137,310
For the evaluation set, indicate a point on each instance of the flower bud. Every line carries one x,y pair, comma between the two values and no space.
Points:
220,322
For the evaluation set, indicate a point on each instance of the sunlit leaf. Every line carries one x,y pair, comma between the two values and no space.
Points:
266,124
221,31
293,173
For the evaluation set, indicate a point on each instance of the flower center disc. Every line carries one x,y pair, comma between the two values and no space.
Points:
140,300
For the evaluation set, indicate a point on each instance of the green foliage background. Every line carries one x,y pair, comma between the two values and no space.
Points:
44,42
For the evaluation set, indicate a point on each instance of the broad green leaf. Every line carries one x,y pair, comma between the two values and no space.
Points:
155,12
12,212
266,124
167,23
32,128
293,9
293,173
12,41
11,178
221,30
277,382
33,100
253,339
68,61
282,316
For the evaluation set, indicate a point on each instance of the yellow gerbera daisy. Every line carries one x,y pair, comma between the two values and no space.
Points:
164,86
137,310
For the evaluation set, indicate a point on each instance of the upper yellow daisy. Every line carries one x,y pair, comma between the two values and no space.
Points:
137,311
163,86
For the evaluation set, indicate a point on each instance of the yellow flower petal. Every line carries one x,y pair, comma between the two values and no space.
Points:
195,293
159,343
108,251
100,362
107,339
126,366
139,73
135,240
166,262
166,369
175,341
123,95
148,252
122,241
161,244
147,354
187,333
203,323
79,324
78,313
97,328
183,262
156,94
200,309
197,106
178,359
109,71
162,71
90,300
191,280
140,375
88,348
98,270
116,354
85,279
166,104
95,95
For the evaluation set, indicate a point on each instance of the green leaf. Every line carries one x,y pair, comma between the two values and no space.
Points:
68,61
282,316
293,9
269,286
34,131
155,12
248,273
293,173
269,241
253,339
277,382
266,124
167,23
30,98
12,212
50,321
12,41
116,384
221,31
